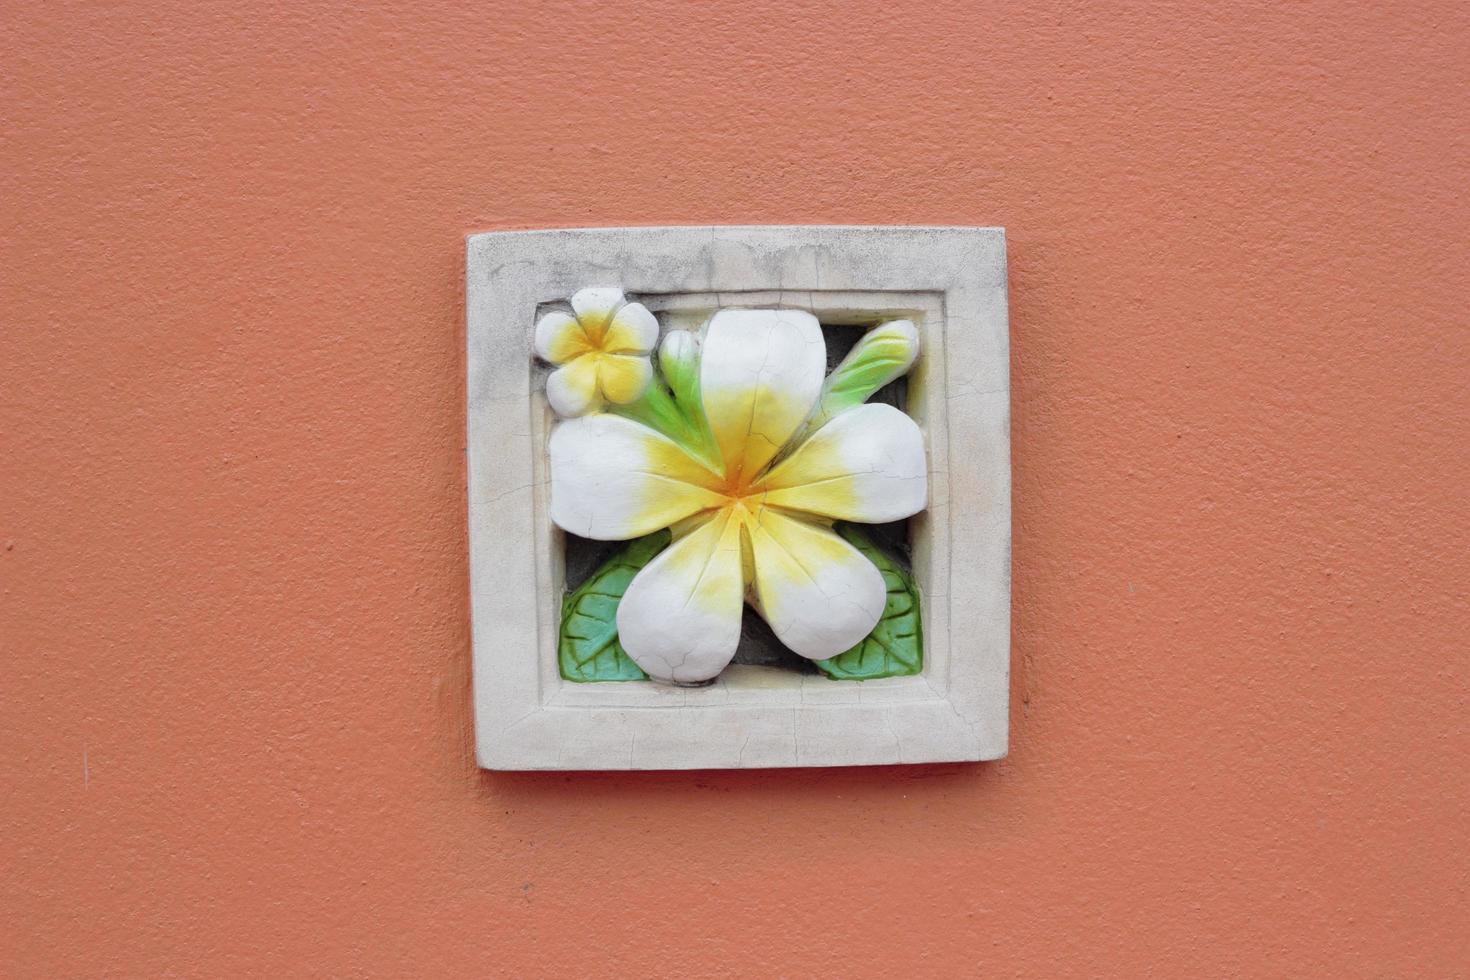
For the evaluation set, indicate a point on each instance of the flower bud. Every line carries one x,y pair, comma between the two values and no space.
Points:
678,359
883,354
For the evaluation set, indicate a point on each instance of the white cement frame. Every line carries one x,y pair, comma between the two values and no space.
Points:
952,282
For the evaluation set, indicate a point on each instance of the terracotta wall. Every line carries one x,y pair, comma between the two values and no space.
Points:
234,658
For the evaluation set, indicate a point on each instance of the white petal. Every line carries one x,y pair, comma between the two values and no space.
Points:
759,377
820,595
680,618
613,478
572,388
594,307
633,330
867,465
559,337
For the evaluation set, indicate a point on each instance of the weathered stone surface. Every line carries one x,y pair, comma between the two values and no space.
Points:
950,283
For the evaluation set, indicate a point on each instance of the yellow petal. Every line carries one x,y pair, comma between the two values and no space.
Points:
680,618
572,388
623,379
820,595
866,464
559,338
760,375
613,478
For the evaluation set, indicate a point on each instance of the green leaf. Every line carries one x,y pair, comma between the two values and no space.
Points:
587,648
895,648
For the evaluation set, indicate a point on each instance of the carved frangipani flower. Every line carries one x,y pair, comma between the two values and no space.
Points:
748,457
601,352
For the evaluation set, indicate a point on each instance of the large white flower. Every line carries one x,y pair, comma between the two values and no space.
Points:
601,351
752,515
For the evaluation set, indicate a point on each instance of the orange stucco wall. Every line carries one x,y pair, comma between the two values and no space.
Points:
234,717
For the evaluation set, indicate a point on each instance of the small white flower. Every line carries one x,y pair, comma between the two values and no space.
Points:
600,349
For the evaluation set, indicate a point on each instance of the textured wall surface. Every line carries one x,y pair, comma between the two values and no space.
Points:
234,661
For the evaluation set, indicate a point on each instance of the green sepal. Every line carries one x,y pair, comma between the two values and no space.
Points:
672,404
587,647
895,647
657,410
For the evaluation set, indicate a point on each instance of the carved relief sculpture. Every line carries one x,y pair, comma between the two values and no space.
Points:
738,496
739,471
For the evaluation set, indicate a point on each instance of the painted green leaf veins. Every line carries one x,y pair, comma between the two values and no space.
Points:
587,647
895,647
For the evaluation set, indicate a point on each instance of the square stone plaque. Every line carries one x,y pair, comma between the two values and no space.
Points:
951,283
